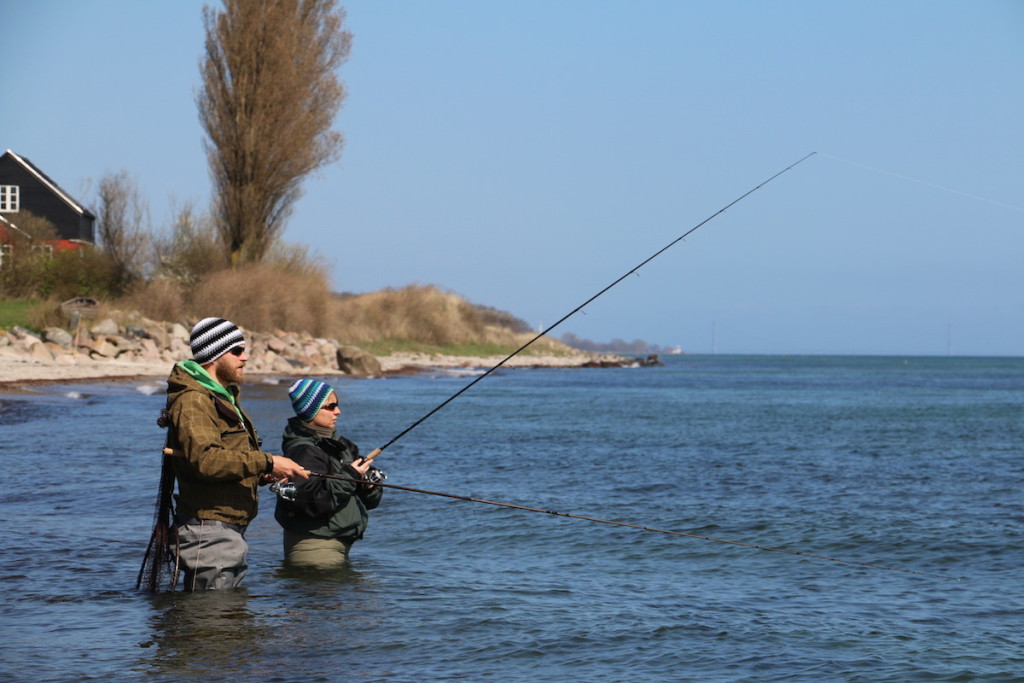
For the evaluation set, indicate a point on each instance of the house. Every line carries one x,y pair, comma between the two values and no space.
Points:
24,189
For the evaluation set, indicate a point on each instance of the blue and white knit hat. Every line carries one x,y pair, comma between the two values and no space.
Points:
213,337
308,396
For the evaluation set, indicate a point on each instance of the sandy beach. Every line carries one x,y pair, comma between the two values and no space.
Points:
19,373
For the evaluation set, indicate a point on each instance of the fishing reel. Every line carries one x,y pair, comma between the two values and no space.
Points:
288,490
284,490
375,476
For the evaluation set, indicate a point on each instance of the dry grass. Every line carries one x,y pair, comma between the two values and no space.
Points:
265,298
423,314
257,297
161,299
425,318
269,297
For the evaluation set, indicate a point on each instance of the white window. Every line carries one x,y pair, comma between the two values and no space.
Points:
5,254
9,198
45,249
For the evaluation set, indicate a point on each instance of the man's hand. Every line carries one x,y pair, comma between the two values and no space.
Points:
286,469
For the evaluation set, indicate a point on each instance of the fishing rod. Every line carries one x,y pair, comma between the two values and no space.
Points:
288,492
377,451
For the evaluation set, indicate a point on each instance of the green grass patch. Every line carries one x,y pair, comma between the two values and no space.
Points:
15,312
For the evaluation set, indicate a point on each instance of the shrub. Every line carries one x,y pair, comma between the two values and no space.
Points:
425,315
159,299
266,298
83,272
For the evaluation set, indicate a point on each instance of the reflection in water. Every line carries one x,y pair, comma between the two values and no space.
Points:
202,632
312,580
199,634
344,600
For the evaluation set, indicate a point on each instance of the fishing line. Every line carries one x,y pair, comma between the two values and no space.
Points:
925,182
288,493
373,454
813,556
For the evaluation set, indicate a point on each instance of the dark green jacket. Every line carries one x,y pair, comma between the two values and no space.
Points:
325,507
219,470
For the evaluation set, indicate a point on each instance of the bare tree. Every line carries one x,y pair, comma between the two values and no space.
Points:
121,221
269,96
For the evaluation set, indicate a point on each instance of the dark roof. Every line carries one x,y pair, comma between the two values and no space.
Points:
47,180
7,223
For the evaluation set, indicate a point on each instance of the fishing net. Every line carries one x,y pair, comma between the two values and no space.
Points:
158,569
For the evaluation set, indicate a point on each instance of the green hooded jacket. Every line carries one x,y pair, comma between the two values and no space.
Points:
325,507
219,470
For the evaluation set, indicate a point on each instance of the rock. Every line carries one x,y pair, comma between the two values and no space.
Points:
38,351
21,334
354,361
312,361
149,350
178,332
329,350
180,349
126,348
104,328
54,349
156,332
102,348
281,364
58,336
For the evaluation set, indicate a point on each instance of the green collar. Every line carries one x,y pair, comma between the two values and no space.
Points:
199,373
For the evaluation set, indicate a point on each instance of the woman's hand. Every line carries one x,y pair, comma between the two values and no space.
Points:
361,465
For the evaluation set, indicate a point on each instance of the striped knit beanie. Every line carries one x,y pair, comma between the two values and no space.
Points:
212,338
308,396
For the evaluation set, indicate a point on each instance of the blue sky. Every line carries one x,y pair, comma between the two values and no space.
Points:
525,155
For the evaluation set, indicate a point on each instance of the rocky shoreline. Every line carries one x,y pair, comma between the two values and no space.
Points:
148,349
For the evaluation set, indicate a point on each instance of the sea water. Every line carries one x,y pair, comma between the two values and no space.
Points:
898,480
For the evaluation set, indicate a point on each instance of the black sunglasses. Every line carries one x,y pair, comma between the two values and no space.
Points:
237,351
329,406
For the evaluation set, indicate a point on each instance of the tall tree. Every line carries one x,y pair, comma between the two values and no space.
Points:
269,96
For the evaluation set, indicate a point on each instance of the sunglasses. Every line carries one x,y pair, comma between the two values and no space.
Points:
329,406
237,351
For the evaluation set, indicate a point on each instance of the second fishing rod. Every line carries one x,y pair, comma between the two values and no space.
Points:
377,451
288,491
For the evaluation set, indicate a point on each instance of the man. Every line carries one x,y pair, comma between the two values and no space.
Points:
219,464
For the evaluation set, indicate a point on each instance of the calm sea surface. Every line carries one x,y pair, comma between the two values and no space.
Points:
911,464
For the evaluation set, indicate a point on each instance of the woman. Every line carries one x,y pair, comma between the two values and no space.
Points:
327,515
